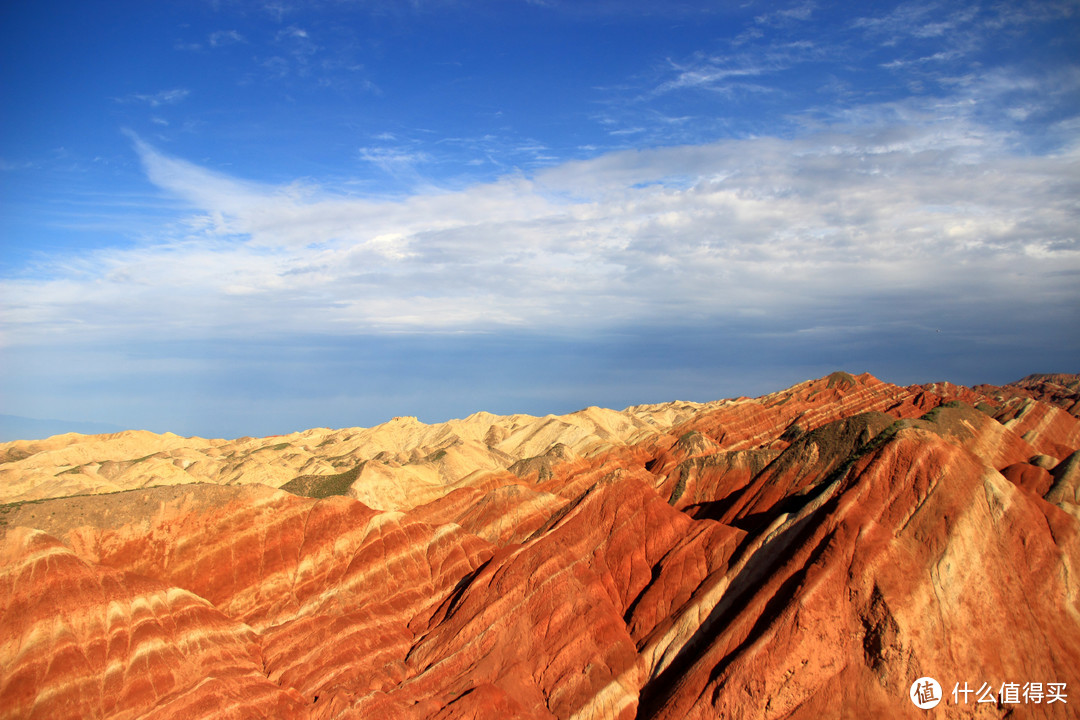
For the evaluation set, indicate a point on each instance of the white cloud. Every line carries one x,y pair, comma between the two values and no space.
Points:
393,160
965,26
164,97
938,57
801,11
707,75
726,73
885,204
277,9
226,37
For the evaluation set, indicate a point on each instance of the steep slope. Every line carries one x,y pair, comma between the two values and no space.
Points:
81,640
901,566
809,553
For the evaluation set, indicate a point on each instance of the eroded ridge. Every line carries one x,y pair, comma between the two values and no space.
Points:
804,554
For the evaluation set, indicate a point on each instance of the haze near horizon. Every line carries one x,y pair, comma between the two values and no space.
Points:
251,218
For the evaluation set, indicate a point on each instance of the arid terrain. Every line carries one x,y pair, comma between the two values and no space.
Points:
805,554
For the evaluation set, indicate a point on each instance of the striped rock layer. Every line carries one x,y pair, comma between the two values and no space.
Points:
805,554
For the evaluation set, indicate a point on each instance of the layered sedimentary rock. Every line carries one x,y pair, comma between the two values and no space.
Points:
809,553
83,640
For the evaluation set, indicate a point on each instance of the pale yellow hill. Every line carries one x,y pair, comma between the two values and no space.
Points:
398,464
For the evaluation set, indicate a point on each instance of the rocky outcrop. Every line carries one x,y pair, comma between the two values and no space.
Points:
805,554
904,565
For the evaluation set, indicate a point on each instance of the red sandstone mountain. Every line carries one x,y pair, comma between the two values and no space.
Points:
806,554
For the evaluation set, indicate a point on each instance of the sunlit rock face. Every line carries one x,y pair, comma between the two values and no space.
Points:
805,554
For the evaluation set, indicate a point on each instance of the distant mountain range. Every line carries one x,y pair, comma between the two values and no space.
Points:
15,427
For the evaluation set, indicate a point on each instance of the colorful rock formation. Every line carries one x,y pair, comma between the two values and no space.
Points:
809,553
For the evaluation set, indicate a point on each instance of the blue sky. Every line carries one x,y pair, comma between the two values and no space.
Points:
250,217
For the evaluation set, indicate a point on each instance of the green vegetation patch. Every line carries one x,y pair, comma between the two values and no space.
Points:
935,414
841,379
679,489
793,432
7,508
14,455
323,486
868,447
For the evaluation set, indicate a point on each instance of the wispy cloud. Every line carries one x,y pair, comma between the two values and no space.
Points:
965,26
883,217
277,10
158,99
919,19
290,53
293,32
747,70
938,57
796,13
711,73
397,161
7,165
225,37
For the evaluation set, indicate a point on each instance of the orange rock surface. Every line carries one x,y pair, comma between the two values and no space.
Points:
809,553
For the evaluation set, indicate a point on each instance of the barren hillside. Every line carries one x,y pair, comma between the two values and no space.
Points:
809,553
